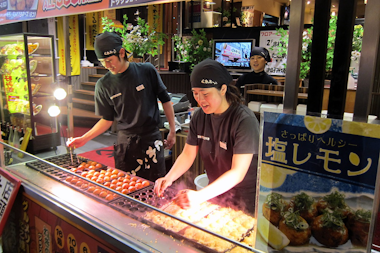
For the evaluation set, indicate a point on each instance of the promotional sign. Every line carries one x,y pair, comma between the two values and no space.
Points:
21,10
269,39
317,184
74,46
93,28
9,186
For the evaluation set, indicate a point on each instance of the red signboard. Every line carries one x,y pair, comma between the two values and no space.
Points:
21,10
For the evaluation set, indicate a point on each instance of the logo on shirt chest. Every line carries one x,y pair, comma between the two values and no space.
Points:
203,137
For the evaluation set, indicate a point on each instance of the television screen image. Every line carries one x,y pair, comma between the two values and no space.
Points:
233,54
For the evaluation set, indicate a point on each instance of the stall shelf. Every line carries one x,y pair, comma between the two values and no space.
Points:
78,222
27,73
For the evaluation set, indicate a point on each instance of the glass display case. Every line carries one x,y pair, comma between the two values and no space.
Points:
27,74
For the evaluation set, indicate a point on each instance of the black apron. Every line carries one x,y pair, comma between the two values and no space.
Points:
140,154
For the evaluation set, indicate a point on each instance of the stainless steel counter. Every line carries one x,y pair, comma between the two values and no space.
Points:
121,231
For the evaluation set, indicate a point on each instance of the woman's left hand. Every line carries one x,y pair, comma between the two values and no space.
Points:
187,199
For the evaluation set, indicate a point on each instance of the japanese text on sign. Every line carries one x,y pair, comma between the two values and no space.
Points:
332,154
6,188
49,5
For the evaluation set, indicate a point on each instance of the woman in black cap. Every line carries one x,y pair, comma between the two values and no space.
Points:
226,134
128,94
258,59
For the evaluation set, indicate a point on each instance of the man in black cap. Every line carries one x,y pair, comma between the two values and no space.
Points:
226,134
258,59
128,93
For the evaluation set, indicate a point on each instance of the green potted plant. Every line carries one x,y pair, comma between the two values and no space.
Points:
140,39
282,47
192,49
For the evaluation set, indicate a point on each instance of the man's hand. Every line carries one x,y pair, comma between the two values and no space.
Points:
170,140
160,186
76,142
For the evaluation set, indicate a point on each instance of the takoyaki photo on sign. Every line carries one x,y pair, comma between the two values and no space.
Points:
317,184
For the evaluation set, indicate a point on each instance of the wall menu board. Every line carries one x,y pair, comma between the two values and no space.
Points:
317,184
9,187
21,10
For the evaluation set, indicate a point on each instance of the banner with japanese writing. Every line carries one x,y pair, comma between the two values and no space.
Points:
156,10
317,184
61,47
21,10
93,25
74,46
270,40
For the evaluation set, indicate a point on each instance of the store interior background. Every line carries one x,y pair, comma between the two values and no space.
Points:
268,15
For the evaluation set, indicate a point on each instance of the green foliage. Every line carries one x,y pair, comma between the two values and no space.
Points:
193,49
140,39
306,46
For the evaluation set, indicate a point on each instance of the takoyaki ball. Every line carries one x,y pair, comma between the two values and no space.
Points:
329,229
358,227
334,202
305,205
273,207
295,228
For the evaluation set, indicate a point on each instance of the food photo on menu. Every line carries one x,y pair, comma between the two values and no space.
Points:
21,5
317,184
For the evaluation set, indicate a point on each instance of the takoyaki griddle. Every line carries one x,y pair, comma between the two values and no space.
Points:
145,195
63,161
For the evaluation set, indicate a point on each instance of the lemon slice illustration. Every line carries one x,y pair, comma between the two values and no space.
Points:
271,235
317,125
272,176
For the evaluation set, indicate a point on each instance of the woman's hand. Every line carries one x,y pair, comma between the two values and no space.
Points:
160,186
187,199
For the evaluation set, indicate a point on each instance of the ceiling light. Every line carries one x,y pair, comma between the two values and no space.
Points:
365,1
308,2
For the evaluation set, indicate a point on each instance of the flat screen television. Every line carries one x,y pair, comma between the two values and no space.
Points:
233,53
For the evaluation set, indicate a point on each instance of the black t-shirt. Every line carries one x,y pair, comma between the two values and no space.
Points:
219,137
131,98
252,78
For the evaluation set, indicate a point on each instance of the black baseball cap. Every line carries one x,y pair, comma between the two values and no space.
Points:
107,44
209,74
262,52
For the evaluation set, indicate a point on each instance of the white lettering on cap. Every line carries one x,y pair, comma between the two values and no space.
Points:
110,52
208,81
